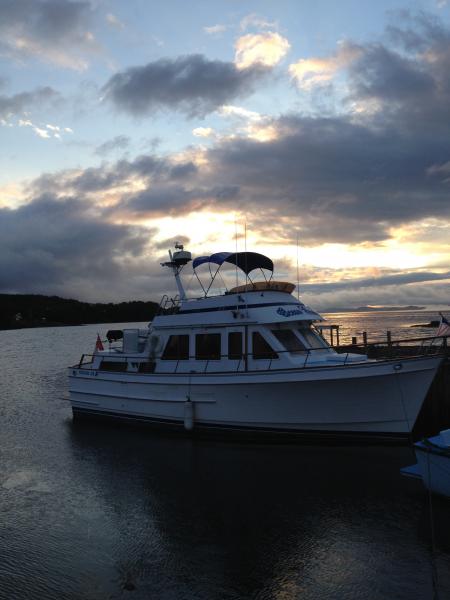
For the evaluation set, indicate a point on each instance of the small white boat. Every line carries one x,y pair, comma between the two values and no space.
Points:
247,359
433,463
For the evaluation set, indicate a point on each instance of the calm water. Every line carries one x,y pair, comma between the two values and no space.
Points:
87,511
399,323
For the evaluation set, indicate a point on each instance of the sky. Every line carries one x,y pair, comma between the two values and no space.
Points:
319,128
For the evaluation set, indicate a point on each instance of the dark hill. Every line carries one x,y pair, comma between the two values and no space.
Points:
30,310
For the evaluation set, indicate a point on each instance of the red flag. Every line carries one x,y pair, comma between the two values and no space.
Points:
444,327
98,344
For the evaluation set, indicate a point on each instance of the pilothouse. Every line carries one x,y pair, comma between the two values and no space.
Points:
245,359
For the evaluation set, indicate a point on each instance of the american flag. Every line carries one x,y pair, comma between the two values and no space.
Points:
444,327
99,345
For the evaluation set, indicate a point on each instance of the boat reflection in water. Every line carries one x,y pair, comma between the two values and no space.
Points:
179,517
246,360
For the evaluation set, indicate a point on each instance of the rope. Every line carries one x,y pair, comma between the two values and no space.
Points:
402,399
434,577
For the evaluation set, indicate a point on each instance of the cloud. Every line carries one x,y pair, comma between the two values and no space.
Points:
310,72
123,175
63,246
266,49
45,131
190,84
119,142
56,31
360,180
254,20
41,132
214,29
25,101
229,110
203,132
114,21
250,123
383,74
383,280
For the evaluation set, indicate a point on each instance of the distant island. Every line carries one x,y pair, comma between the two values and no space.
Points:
375,309
18,311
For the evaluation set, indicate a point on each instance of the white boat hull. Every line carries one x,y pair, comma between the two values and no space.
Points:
433,465
366,398
434,469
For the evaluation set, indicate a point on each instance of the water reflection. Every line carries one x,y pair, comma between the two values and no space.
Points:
235,521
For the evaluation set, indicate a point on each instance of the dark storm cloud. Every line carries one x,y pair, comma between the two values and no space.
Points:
45,28
190,84
348,182
165,199
417,31
409,77
111,175
49,19
384,74
18,103
48,244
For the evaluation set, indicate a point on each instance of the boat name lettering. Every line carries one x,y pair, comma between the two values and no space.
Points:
289,313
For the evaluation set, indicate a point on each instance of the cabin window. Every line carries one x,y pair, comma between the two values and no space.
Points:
109,365
177,348
262,348
235,345
289,340
312,338
207,346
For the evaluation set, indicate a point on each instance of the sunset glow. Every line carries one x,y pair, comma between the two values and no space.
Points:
128,130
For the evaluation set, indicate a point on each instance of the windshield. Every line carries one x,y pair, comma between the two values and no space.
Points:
289,340
312,338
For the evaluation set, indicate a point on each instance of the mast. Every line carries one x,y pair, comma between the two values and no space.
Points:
178,260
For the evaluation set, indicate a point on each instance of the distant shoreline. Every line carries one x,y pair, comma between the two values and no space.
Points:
375,309
27,311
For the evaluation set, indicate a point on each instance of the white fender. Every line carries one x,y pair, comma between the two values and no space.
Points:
189,415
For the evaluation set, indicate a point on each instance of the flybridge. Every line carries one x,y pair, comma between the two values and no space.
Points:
254,301
247,262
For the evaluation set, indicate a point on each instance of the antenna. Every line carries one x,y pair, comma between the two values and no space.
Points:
246,268
245,248
298,277
236,240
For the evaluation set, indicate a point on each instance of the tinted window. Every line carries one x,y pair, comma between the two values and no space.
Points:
207,346
261,348
109,365
177,348
235,345
289,340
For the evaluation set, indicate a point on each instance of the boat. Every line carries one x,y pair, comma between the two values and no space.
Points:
245,359
433,463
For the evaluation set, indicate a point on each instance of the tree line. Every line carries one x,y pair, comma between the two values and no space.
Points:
32,310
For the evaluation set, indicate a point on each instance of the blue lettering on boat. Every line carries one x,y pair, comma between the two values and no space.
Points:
289,313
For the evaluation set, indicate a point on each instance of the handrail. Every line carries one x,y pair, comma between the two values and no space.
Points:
308,353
